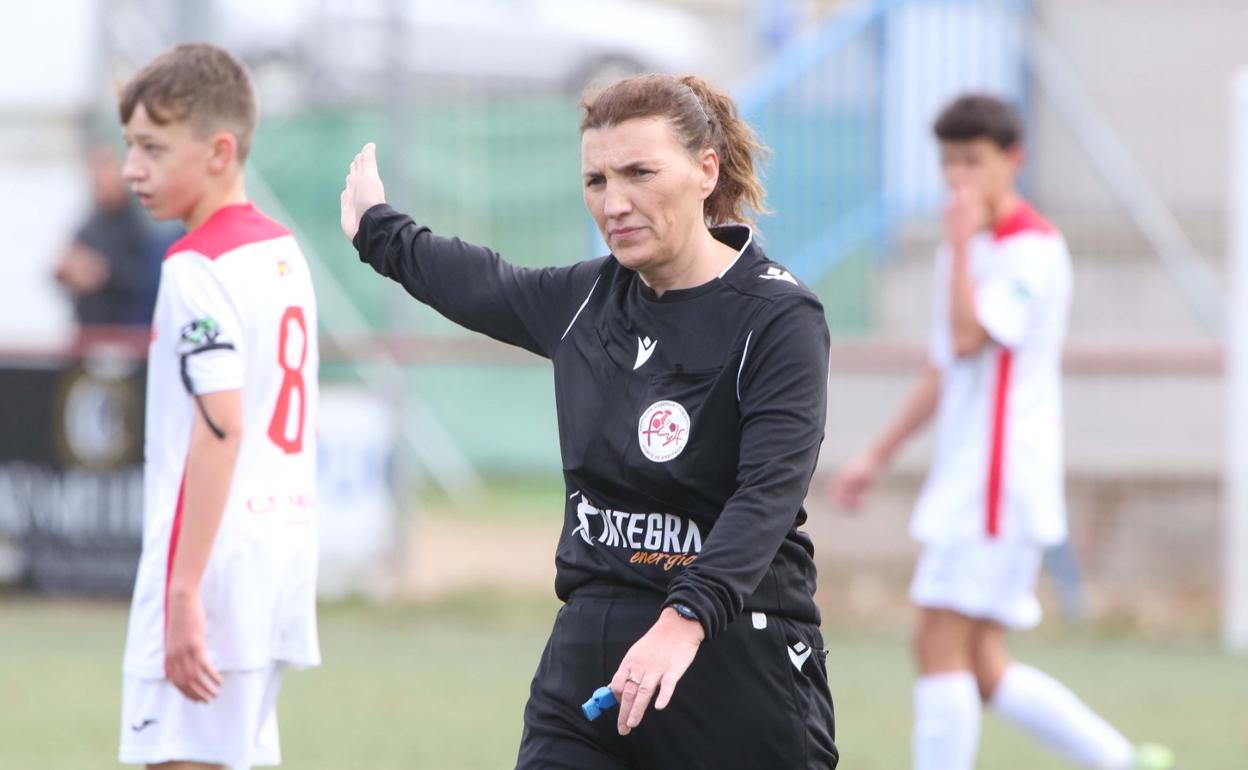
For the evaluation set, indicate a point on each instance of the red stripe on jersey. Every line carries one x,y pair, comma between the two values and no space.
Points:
1023,219
996,459
227,229
173,542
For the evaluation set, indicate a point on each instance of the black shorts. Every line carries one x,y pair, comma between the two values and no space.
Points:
756,696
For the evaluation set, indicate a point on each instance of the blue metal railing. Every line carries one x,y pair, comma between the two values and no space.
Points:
846,109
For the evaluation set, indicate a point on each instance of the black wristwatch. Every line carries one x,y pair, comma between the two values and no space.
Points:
685,611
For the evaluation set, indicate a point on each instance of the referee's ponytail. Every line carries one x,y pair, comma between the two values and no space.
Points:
702,116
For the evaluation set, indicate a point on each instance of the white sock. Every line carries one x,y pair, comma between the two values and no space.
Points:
1049,712
946,721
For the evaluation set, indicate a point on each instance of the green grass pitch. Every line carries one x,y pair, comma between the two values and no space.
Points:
442,686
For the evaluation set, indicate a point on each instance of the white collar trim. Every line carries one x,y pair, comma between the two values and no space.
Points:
748,241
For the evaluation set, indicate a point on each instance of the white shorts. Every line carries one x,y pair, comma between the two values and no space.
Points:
237,729
983,579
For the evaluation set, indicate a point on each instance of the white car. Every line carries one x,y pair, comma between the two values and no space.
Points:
353,50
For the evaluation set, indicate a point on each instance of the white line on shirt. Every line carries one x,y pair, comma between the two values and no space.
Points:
748,240
582,307
741,368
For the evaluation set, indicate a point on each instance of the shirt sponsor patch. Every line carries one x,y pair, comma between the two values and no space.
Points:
200,332
663,431
656,539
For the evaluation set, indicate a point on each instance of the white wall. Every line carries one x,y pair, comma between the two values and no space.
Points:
47,51
1160,71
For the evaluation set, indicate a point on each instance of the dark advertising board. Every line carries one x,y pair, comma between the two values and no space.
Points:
71,477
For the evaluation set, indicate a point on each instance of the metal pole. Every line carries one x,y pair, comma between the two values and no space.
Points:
1235,535
1113,162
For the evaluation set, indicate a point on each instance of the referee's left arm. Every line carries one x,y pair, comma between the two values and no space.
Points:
783,403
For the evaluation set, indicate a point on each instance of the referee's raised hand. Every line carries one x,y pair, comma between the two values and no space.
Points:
363,190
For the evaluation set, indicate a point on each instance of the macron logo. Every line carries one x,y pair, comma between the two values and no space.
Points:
645,349
798,653
776,274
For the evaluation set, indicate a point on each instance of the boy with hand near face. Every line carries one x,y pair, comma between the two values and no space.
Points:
993,500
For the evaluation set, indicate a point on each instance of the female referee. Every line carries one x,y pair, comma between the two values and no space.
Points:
690,381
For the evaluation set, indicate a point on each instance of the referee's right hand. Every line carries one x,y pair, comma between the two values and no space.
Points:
363,190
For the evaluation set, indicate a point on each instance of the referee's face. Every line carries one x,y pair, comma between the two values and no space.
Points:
645,193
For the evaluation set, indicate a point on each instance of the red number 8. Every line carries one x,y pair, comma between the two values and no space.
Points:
292,381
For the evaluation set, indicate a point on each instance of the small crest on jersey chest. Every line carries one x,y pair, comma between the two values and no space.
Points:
663,431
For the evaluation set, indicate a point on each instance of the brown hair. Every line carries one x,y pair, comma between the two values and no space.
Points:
701,116
980,116
197,84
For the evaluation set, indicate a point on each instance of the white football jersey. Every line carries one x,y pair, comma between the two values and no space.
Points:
998,466
235,309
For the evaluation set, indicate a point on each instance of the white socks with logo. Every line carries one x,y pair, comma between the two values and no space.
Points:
1047,711
946,721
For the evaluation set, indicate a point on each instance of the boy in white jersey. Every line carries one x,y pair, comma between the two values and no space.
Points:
993,499
226,589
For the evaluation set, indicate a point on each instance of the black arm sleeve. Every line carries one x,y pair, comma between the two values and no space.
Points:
783,403
473,286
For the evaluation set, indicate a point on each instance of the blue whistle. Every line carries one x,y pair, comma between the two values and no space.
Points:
600,701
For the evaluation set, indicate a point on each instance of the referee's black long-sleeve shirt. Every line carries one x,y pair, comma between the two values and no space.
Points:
689,423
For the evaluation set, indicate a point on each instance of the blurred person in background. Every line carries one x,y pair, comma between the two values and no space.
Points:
225,599
690,381
109,267
994,497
